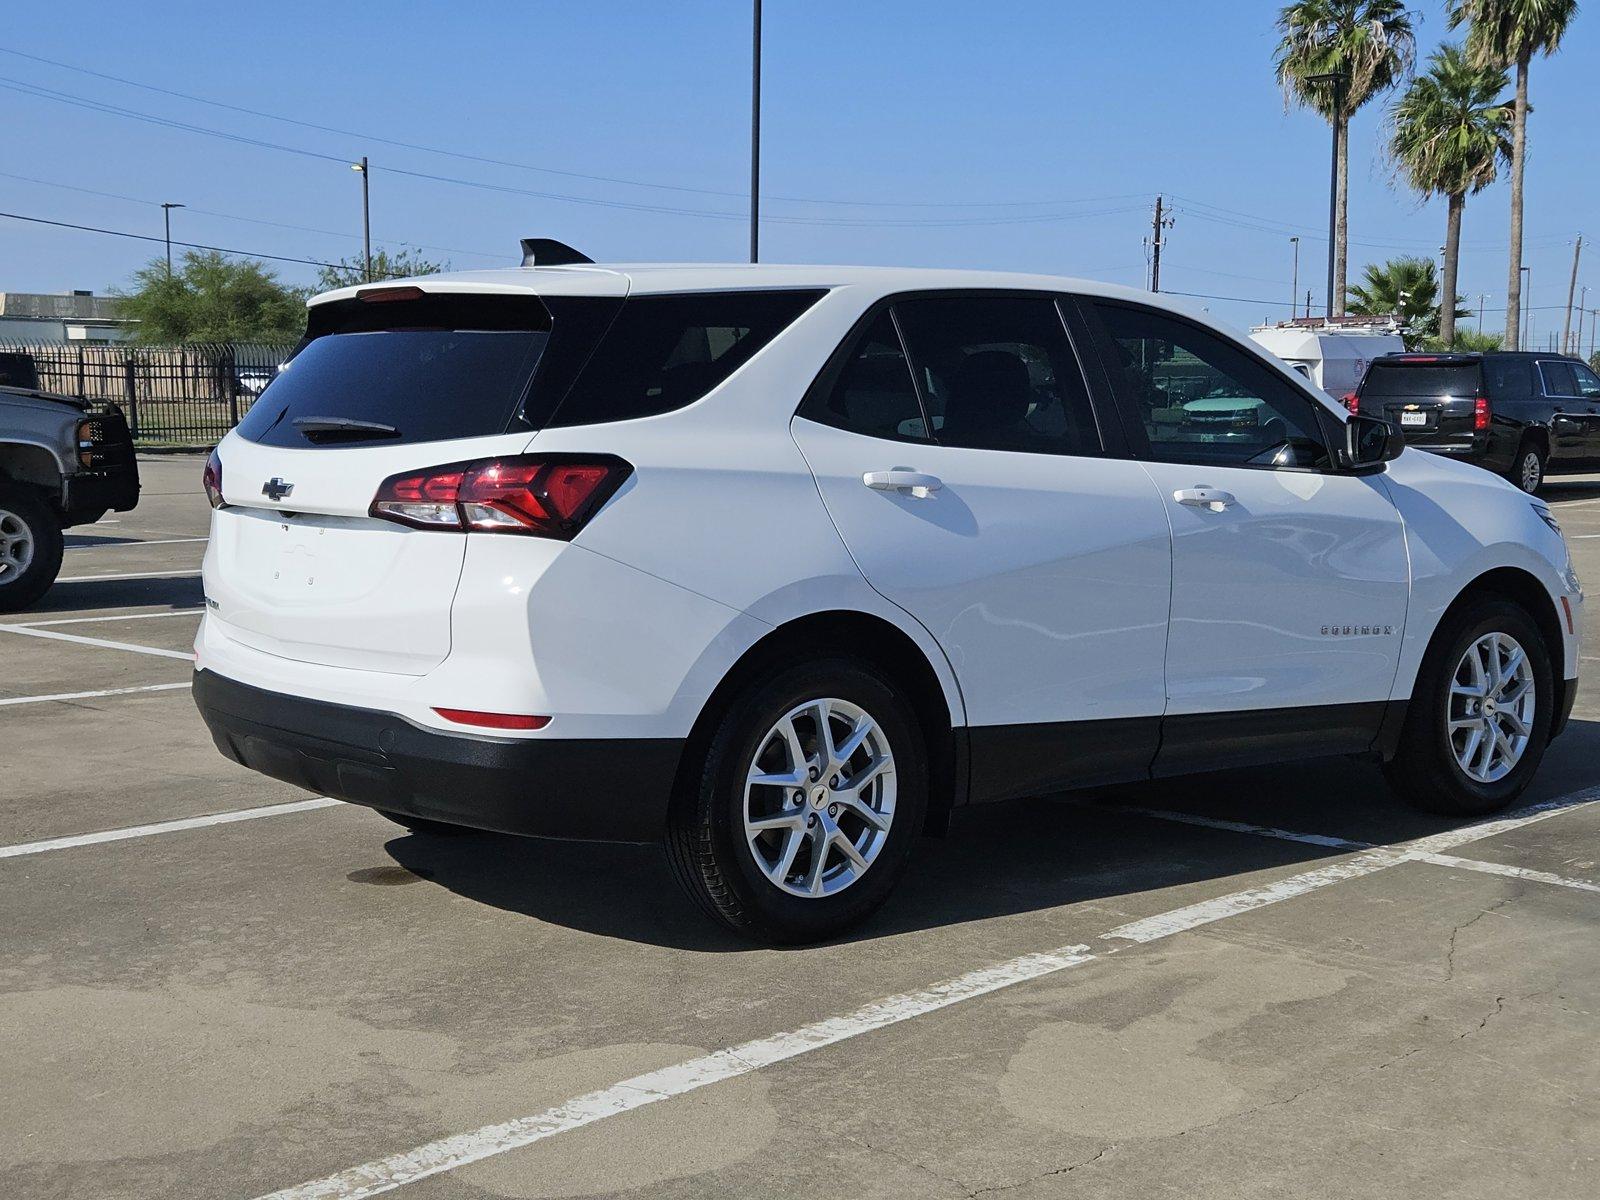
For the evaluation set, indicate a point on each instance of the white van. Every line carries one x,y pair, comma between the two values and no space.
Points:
1335,356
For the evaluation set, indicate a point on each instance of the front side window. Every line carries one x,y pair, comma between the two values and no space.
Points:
1201,400
999,373
1588,382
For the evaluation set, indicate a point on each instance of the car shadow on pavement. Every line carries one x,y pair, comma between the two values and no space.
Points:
999,860
87,595
1557,489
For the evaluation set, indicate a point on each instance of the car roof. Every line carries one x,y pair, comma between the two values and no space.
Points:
638,279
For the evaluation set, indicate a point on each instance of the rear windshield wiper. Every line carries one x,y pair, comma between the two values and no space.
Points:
324,429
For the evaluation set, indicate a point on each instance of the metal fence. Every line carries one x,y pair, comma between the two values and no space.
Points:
171,395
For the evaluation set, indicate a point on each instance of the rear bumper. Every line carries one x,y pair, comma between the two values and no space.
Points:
602,789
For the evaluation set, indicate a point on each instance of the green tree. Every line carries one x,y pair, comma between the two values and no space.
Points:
1371,45
1501,33
1451,133
211,298
1406,288
1468,341
353,270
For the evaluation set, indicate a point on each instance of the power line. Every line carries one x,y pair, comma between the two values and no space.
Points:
521,166
145,237
209,212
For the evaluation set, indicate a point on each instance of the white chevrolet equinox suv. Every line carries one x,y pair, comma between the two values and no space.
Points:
780,565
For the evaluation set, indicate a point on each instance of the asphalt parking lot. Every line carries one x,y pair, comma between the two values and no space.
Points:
1269,983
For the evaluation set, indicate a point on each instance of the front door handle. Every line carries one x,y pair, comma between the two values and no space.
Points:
1201,496
904,481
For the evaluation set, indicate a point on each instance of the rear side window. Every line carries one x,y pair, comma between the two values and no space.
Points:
666,352
1558,379
1509,378
1385,380
999,373
873,394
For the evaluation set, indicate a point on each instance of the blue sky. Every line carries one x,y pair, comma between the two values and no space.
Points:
1064,119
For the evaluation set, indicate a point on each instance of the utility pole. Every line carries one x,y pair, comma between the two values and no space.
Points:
1527,308
1572,286
1294,285
1308,302
1156,242
1577,339
166,216
755,134
366,215
1481,298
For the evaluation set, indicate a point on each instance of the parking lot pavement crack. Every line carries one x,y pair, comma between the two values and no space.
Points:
1499,1007
865,1144
1450,951
1051,1174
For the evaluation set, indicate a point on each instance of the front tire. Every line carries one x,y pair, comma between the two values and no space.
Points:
799,818
30,547
1527,472
1479,717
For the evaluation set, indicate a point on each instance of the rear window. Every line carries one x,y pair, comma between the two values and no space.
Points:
1420,379
438,367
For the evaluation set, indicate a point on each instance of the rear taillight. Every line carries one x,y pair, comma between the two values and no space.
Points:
211,480
542,495
1480,414
1352,401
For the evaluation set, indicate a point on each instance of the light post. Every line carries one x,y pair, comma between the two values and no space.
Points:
1482,296
366,215
1527,307
1337,81
166,217
1294,286
755,132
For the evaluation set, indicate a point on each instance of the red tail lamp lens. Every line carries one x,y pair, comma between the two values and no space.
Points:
488,720
539,495
1480,414
384,294
1352,402
211,480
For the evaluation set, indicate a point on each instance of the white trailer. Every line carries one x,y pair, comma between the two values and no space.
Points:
1333,356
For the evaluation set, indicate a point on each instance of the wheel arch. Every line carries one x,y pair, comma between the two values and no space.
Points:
31,463
870,638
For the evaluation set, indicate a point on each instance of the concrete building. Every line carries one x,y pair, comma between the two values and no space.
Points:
79,317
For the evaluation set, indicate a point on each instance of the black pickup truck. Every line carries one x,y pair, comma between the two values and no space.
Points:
61,464
1522,415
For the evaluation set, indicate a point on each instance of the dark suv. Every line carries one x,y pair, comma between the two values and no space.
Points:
1519,414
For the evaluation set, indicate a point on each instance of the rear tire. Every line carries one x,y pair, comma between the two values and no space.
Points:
1527,470
785,870
30,547
1441,766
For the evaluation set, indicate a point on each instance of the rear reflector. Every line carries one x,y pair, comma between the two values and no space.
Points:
540,495
488,720
1566,607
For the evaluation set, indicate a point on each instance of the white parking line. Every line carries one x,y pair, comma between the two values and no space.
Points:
136,542
127,691
195,571
175,612
29,631
446,1154
160,827
1421,850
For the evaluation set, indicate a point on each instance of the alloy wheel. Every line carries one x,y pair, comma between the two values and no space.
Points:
1490,712
16,546
819,798
1532,472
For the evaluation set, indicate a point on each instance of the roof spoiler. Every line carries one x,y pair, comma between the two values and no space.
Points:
547,252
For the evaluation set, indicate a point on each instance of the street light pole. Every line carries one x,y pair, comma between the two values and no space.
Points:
1294,286
1527,307
366,214
755,132
1337,81
166,217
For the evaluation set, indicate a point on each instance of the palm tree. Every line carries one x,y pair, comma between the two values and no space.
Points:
1405,288
1451,133
1369,44
1502,32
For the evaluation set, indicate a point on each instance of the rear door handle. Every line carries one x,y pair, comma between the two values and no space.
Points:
1204,497
903,480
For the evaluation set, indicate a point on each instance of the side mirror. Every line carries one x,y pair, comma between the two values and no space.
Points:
1370,442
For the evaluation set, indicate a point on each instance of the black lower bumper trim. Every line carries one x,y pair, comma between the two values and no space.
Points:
600,789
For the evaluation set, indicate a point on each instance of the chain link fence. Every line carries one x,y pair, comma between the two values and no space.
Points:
171,395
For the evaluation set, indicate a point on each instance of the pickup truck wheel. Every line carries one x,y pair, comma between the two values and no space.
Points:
1479,717
1527,472
30,547
800,816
